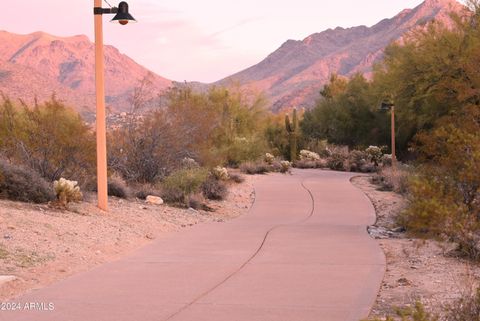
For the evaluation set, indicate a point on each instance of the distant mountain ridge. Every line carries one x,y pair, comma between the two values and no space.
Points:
293,74
38,64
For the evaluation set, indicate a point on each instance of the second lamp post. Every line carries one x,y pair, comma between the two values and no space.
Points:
391,107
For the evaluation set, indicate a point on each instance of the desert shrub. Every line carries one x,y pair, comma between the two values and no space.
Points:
415,313
253,168
146,151
214,189
304,163
357,160
318,146
67,191
444,193
49,138
220,173
337,161
144,190
435,211
117,187
177,187
237,178
467,308
391,179
22,184
173,196
196,201
242,149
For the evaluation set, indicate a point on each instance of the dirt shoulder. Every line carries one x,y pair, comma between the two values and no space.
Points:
40,245
416,269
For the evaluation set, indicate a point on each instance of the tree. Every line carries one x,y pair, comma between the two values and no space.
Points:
347,114
49,138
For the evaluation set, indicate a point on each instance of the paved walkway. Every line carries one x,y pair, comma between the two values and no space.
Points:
301,254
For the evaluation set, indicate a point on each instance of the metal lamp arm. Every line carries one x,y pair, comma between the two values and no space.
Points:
101,11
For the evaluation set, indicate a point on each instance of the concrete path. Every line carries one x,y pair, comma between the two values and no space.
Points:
302,253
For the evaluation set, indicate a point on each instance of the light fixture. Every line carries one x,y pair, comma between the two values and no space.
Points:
123,16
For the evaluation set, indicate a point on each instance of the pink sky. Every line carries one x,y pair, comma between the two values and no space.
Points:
199,40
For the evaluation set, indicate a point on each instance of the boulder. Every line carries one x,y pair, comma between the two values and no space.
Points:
154,200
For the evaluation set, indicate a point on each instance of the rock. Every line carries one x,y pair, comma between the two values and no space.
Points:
404,282
380,232
399,230
150,236
154,200
7,278
192,211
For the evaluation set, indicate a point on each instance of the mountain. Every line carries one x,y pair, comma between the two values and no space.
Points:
293,75
39,64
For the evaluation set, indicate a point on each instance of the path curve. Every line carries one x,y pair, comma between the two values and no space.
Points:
301,253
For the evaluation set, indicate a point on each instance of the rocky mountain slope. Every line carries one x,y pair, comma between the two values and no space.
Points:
294,73
39,64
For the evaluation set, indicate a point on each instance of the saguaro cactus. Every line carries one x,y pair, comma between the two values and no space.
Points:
292,128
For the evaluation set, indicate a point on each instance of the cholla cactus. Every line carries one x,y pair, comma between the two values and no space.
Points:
67,191
269,158
387,160
374,154
286,166
220,173
308,155
189,163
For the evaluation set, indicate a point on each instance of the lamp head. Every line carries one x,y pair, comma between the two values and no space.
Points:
123,16
386,106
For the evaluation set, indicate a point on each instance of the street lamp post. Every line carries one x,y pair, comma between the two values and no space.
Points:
391,107
123,17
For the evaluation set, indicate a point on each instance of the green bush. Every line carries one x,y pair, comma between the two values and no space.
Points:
49,138
178,186
24,185
444,193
